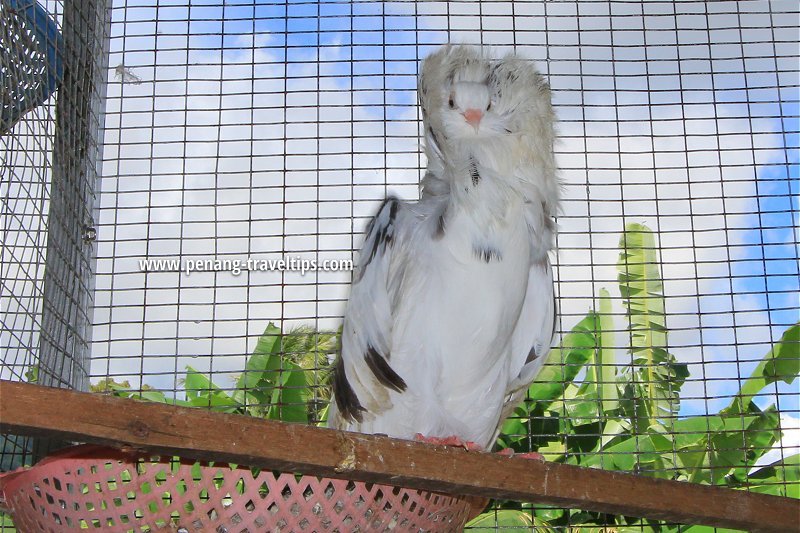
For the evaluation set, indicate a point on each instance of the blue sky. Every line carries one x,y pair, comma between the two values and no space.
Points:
641,117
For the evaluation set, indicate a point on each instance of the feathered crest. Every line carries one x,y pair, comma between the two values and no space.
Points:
515,82
520,96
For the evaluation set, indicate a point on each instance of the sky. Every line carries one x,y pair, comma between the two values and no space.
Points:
273,129
255,130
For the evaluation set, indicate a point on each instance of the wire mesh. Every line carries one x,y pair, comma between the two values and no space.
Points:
25,192
51,107
268,131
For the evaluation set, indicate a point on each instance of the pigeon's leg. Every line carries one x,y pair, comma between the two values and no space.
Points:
509,452
450,441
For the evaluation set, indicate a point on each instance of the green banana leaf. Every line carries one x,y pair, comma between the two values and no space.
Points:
782,363
657,373
503,519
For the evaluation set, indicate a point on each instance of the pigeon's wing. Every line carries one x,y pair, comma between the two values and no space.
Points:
536,327
362,376
533,334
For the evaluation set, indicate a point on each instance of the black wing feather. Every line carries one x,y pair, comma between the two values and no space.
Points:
385,374
346,400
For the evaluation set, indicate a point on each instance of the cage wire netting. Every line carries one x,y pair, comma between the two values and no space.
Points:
49,168
270,131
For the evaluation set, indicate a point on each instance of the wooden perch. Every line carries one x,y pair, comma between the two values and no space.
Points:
195,433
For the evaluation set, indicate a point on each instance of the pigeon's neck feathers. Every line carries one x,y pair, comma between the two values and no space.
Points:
487,180
521,163
509,164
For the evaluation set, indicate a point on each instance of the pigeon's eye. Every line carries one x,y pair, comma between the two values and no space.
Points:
452,102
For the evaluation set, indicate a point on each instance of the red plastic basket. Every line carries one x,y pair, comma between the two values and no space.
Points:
99,488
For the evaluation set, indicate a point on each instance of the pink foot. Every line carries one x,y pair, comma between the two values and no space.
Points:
509,452
450,441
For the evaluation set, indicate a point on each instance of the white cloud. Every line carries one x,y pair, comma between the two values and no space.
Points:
649,134
788,445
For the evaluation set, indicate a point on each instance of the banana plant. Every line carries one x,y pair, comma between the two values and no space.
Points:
285,378
655,377
625,416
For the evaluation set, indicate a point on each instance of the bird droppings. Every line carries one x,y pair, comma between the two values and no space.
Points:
347,449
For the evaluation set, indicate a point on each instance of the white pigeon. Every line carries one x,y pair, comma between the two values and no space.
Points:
451,311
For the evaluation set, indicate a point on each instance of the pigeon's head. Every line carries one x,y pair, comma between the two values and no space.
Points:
467,97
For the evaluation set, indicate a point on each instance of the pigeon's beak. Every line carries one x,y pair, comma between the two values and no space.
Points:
473,117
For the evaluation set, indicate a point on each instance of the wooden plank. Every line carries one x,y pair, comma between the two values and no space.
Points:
196,433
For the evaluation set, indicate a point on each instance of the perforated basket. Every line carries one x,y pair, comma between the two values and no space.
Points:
98,488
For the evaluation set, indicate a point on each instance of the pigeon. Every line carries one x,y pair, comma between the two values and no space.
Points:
451,310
